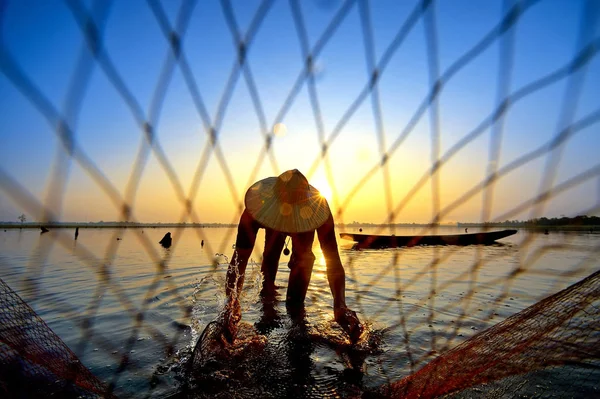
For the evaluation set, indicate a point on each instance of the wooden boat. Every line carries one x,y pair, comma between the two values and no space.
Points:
380,241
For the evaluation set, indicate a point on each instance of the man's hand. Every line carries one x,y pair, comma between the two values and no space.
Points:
229,318
350,323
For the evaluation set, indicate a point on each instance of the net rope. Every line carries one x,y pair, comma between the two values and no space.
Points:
562,329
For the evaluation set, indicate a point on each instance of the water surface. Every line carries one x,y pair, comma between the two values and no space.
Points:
116,294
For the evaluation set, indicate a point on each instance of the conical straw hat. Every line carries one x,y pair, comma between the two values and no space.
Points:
287,203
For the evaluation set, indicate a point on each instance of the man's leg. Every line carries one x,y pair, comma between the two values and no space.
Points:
301,265
274,242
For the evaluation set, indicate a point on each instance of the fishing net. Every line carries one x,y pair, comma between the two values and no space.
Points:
563,329
539,338
35,362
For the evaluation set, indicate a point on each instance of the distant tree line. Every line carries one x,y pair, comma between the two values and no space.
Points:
581,220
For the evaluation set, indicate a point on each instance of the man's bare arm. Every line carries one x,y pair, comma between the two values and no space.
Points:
244,243
336,276
232,312
337,281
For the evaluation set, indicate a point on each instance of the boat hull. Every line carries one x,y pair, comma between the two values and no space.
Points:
393,241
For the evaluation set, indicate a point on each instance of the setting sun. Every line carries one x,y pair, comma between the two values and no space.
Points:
323,187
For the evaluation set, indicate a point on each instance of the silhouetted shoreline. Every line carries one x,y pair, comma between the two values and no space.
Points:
125,225
96,225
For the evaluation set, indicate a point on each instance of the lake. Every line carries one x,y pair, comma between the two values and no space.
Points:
117,292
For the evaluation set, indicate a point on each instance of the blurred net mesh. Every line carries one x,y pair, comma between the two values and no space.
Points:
561,330
34,361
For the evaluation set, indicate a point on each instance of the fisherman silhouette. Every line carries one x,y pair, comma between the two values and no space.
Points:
202,243
44,229
166,240
76,232
287,205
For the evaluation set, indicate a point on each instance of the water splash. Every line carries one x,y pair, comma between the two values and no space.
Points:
209,294
201,308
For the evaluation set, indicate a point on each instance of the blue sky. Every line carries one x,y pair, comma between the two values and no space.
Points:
43,40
